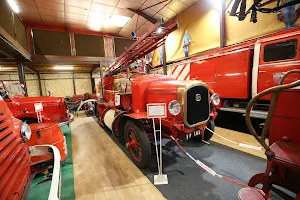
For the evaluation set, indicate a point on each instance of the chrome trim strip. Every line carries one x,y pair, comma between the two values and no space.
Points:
294,62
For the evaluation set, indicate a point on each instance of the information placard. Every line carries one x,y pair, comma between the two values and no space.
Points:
157,110
38,107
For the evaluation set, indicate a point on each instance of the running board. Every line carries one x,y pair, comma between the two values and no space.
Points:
253,113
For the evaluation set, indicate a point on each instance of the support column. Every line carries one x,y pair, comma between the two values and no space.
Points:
40,85
22,78
100,81
164,60
222,24
74,87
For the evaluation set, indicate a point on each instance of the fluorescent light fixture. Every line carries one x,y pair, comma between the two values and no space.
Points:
1,68
118,20
63,67
13,6
159,30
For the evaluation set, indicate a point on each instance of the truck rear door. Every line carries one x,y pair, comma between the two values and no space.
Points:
277,57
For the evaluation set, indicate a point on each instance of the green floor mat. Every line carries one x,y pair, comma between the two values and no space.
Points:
40,189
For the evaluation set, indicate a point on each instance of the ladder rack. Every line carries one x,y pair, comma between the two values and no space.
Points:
151,40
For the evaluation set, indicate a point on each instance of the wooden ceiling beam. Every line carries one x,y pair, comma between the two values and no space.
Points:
140,13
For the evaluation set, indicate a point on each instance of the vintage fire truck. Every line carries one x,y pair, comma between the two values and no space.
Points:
24,153
54,108
239,72
190,104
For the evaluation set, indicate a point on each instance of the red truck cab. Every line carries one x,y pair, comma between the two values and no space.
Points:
239,72
54,108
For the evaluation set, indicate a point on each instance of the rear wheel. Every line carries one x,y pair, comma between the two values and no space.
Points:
207,133
137,143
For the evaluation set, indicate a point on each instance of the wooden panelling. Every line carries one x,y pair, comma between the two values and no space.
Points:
121,44
51,43
89,45
21,33
6,18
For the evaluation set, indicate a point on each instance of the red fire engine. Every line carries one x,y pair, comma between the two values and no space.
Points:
190,104
54,108
239,72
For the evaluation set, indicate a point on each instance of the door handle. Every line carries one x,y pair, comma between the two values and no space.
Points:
260,72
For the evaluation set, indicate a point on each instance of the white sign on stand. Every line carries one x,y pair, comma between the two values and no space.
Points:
158,111
38,107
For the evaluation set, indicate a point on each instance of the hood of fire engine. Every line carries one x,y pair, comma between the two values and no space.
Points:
32,100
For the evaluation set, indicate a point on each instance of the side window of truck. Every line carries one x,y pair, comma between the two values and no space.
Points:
281,50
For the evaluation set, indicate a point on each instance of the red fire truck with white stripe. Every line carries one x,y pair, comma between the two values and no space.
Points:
237,73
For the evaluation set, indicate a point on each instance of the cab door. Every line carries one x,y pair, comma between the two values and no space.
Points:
277,57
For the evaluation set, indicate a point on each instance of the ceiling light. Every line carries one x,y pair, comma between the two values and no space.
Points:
1,68
63,67
159,30
13,6
118,20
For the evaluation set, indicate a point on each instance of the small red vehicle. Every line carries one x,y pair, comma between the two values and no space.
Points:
239,72
123,109
54,108
19,162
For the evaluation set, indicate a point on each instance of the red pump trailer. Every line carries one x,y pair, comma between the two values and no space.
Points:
239,72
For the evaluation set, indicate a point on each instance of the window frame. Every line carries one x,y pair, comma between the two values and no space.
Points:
264,44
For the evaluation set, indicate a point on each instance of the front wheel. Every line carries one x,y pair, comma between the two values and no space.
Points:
207,133
137,143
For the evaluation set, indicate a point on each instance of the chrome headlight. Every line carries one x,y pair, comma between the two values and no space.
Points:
174,107
25,131
215,98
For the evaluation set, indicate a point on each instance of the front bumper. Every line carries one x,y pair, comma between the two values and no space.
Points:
68,120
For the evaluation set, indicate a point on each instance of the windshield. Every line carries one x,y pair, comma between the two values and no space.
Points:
12,88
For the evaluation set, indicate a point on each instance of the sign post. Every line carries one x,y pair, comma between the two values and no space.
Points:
38,107
158,111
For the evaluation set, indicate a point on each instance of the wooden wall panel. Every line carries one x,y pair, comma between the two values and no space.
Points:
121,44
89,45
51,43
21,33
6,18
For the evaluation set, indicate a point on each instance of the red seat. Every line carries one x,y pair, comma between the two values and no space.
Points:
286,152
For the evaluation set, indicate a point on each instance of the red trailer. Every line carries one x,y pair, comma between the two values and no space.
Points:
239,72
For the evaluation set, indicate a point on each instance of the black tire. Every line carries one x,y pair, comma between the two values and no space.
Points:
135,131
207,134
